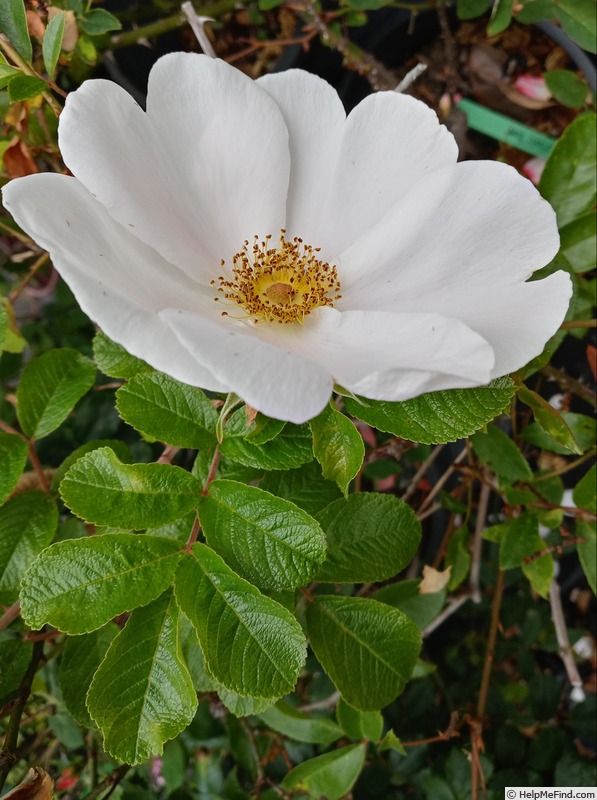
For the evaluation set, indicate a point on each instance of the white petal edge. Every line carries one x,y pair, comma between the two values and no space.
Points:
387,356
119,282
390,142
279,383
461,230
206,167
315,118
462,244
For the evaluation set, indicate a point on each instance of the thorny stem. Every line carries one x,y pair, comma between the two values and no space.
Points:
478,543
450,732
168,24
8,755
490,651
569,384
379,76
559,623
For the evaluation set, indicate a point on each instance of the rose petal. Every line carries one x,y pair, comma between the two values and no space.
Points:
270,378
117,280
462,244
164,174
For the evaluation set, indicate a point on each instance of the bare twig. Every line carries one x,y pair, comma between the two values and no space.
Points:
451,608
11,613
442,481
197,24
410,489
490,651
478,543
559,623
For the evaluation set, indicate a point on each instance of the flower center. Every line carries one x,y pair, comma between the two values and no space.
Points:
282,283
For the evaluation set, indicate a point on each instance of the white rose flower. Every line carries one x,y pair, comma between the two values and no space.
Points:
350,250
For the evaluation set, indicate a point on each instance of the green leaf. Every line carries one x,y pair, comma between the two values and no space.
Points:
266,539
164,409
98,21
338,446
568,180
290,449
370,537
539,572
13,23
86,50
142,694
304,486
458,557
251,644
52,42
549,419
578,240
114,361
359,724
243,706
7,73
80,660
578,19
50,387
437,417
391,742
118,446
101,490
520,540
263,429
25,87
13,456
285,719
80,584
585,490
471,9
566,87
501,16
15,655
587,550
581,427
331,775
193,656
368,649
405,595
28,524
498,452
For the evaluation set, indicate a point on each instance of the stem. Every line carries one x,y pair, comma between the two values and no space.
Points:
11,613
440,484
27,70
559,623
410,489
8,755
168,24
570,384
490,652
446,613
578,323
213,468
478,543
39,470
37,265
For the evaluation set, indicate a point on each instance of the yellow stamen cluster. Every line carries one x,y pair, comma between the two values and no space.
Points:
283,283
